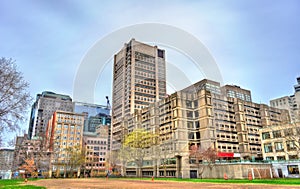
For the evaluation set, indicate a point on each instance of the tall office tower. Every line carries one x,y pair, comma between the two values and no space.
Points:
43,108
139,78
290,103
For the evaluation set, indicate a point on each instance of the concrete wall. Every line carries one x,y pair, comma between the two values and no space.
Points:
237,171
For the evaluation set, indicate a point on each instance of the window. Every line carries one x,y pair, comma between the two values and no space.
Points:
266,135
293,157
191,135
188,104
189,114
278,146
268,147
196,114
280,158
276,134
290,145
196,103
293,169
190,124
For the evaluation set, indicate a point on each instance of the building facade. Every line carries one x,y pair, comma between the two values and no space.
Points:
96,148
139,78
35,149
280,146
290,103
206,116
281,142
6,162
43,108
65,136
94,115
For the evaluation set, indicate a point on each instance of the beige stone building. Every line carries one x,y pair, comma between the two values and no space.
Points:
64,131
96,148
205,114
290,103
281,142
139,78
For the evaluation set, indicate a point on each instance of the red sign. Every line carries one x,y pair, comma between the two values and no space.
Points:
225,154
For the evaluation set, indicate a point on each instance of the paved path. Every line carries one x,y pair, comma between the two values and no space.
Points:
92,183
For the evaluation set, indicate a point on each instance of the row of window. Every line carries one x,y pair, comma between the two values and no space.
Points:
96,165
279,147
66,126
96,148
280,133
96,142
96,153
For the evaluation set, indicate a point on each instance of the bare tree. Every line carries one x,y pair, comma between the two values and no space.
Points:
14,97
203,158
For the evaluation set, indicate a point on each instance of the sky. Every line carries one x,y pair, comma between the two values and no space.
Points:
254,43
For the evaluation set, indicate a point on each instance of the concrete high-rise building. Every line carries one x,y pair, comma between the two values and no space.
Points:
290,103
206,115
43,108
139,78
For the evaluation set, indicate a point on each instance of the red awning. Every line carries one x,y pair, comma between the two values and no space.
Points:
225,154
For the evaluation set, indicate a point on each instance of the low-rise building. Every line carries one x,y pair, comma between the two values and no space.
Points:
280,145
6,161
35,149
281,142
96,149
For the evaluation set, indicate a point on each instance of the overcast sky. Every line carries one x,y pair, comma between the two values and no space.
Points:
255,43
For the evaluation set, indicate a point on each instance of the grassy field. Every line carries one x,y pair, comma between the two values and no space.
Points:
15,183
284,181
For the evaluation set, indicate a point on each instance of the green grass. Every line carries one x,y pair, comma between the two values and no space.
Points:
284,181
15,183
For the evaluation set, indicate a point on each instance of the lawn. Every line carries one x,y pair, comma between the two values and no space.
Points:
83,182
15,183
284,181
